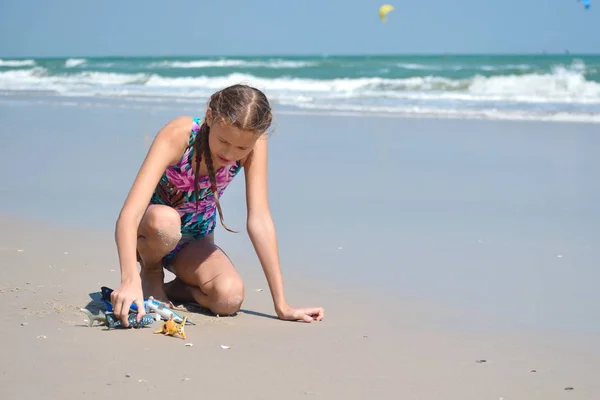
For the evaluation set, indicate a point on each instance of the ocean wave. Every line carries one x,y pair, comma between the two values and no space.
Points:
562,85
451,67
75,62
276,64
38,79
561,90
458,113
17,63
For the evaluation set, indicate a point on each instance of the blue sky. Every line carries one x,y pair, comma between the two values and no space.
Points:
45,28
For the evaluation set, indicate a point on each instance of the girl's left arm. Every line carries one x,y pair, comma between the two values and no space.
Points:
261,230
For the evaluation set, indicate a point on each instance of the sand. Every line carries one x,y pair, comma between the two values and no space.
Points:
478,242
363,348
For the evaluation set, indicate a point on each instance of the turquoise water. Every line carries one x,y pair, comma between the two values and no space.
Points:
550,87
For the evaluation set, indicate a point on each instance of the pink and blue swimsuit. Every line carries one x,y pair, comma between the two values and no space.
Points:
176,189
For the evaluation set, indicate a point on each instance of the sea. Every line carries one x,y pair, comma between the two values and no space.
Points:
523,87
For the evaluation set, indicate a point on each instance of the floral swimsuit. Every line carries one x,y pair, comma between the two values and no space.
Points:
176,189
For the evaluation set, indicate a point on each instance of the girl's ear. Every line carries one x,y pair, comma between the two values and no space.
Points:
209,117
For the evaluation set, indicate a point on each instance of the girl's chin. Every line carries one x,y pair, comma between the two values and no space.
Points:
223,161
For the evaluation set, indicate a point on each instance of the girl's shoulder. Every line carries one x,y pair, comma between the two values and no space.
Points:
183,129
176,137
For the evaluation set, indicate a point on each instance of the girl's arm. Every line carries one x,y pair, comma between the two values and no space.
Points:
167,146
261,230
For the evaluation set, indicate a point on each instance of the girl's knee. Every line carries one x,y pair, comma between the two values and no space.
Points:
227,295
163,222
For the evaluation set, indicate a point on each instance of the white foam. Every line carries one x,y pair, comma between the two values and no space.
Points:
276,64
422,67
563,85
441,112
38,79
507,67
75,62
17,63
426,67
563,91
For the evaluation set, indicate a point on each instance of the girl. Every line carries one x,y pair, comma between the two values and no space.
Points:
169,215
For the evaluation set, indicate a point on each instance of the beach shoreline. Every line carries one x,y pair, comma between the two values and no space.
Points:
191,105
490,87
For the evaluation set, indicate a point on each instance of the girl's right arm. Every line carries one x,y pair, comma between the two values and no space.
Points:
166,149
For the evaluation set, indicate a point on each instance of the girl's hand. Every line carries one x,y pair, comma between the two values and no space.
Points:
130,291
288,313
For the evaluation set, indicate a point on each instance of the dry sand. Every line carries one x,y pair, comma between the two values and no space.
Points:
366,347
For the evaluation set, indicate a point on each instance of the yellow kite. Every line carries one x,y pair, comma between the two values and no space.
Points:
384,10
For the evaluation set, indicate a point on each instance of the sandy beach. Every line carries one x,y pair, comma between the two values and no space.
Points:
455,259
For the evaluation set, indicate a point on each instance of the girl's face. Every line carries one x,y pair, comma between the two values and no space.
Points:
228,143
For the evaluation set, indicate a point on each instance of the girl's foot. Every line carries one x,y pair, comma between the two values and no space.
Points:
178,291
153,285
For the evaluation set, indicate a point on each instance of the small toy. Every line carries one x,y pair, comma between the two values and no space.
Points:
106,292
101,317
172,328
112,322
160,308
150,305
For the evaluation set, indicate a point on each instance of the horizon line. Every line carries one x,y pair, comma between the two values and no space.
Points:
324,55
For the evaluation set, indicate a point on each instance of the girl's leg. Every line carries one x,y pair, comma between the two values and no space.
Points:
158,234
207,276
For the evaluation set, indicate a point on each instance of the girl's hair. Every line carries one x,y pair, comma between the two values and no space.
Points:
242,106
